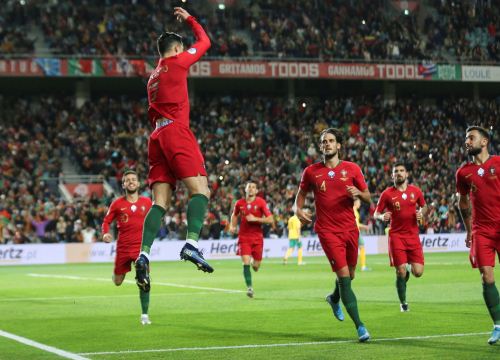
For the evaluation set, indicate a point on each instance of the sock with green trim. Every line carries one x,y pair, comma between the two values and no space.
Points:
401,287
144,296
349,300
197,208
152,224
492,300
247,275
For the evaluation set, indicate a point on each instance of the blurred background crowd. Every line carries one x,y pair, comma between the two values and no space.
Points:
266,139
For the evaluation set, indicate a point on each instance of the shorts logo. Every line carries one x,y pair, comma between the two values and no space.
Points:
331,174
480,172
192,51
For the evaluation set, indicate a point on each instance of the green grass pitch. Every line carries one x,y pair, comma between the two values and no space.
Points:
80,311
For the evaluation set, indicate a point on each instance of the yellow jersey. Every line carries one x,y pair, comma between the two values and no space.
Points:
294,227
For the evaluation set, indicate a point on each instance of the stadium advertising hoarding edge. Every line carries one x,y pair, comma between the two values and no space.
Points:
213,249
122,67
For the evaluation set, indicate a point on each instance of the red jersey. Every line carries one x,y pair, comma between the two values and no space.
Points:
482,183
334,212
403,206
129,221
257,208
167,85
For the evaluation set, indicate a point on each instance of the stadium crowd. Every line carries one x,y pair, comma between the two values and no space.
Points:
368,30
269,140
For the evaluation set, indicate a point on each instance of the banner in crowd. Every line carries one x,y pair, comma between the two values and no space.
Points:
83,190
212,249
123,67
481,73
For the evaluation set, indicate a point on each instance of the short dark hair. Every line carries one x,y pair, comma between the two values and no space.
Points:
399,163
484,132
339,136
128,172
166,40
251,182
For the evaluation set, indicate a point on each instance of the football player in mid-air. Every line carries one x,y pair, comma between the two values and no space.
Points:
173,152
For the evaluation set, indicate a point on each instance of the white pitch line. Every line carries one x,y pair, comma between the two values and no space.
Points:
253,346
69,277
43,347
62,298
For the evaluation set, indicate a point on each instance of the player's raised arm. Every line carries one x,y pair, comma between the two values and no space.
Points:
202,44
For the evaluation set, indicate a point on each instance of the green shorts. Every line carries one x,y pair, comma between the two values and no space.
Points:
361,241
295,243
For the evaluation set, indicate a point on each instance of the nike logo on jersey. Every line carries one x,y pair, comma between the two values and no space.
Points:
319,175
123,209
394,198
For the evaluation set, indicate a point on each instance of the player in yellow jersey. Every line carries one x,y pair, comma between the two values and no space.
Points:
361,241
294,239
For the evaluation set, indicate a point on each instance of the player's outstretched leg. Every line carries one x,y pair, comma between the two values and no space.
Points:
194,255
142,273
197,208
334,300
152,224
351,306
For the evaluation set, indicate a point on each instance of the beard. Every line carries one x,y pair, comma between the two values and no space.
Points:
473,151
130,192
330,155
399,181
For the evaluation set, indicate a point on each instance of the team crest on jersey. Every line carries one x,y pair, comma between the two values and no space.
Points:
412,195
480,172
192,51
344,175
133,208
404,196
331,174
492,170
255,207
249,206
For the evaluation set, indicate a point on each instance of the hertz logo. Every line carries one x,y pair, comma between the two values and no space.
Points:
12,253
438,242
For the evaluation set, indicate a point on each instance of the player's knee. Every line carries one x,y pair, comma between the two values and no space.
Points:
401,273
488,278
117,280
255,268
418,273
